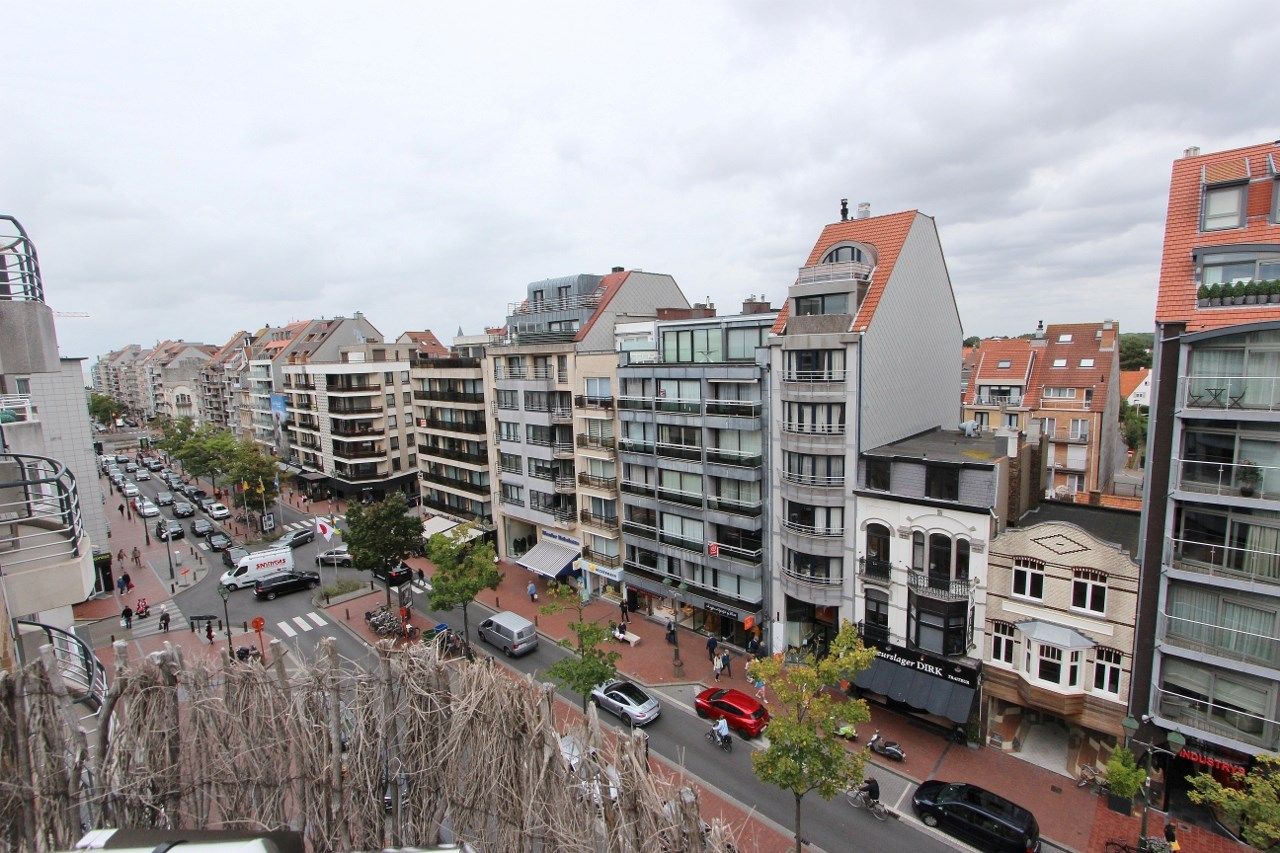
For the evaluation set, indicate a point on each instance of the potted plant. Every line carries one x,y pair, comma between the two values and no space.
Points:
1248,475
1124,780
1250,293
1202,296
1215,295
1237,292
1273,291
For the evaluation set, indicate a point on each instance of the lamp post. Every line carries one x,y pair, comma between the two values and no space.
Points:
677,665
226,617
1175,740
168,549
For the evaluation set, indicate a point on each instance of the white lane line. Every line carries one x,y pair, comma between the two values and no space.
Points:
315,617
302,623
284,627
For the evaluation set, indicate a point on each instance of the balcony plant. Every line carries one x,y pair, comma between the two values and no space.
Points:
1237,292
1248,476
1215,295
1202,296
1273,291
1124,780
1250,290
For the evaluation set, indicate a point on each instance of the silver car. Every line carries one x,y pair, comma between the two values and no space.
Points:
629,701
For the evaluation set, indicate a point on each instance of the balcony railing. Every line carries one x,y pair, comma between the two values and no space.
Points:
343,431
446,507
752,508
1080,436
1221,720
1224,560
82,672
476,426
997,400
596,442
39,511
561,416
537,374
736,458
814,579
1074,403
593,401
1228,478
1220,640
608,522
420,360
679,496
16,408
564,486
842,271
510,501
940,587
19,267
722,408
679,451
354,388
567,303
367,409
449,396
810,428
595,481
814,376
341,451
634,488
456,483
639,528
1256,393
456,455
821,482
874,568
635,445
603,559
812,530
562,450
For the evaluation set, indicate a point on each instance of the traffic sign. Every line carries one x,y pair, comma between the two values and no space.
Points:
258,623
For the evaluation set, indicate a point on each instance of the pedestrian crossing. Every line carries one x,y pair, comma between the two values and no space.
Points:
151,624
421,587
299,525
300,624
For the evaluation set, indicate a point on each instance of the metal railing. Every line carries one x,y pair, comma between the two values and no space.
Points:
997,400
536,374
677,405
566,303
564,485
741,555
1258,393
593,401
678,451
370,409
633,488
609,522
595,481
639,528
19,267
39,511
1068,435
84,674
510,501
842,271
456,483
635,445
679,496
603,559
737,458
818,481
1217,559
449,396
814,375
1228,478
455,455
752,508
874,568
816,580
596,442
561,416
940,587
812,530
1221,720
475,426
16,408
1220,640
1078,404
811,428
562,450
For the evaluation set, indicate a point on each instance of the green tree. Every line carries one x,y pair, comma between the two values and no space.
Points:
1253,801
592,665
462,569
174,434
1135,350
972,341
105,409
805,753
1133,426
382,534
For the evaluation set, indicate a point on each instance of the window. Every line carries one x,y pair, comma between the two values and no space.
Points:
814,365
511,493
1050,664
1223,208
941,483
1011,420
1086,362
391,420
823,418
1106,670
875,625
1239,267
831,303
509,431
843,254
813,566
599,387
406,399
1059,362
395,442
1060,392
1080,428
693,345
917,551
1004,364
1002,642
508,399
1028,578
940,631
743,342
1073,671
878,474
1064,338
510,462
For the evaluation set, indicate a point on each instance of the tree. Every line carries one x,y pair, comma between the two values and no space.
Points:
463,568
592,665
1135,350
1253,800
1133,426
805,753
174,434
105,409
972,341
382,534
249,467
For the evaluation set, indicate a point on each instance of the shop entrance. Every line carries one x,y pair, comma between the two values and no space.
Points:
810,628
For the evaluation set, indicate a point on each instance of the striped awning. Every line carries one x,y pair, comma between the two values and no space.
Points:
548,558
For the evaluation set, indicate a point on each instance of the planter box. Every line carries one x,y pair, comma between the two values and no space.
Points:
1120,804
1202,303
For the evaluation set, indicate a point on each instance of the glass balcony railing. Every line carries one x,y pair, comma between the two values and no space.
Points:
1243,479
1220,640
1222,720
1221,560
1255,393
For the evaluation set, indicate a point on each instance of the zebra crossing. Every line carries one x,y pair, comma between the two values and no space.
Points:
299,624
298,525
151,624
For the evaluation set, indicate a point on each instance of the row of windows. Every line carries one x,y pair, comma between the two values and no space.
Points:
1045,662
941,482
1088,587
1224,207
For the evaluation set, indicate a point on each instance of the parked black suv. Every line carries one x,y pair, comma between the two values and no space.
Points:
283,582
167,528
231,557
987,821
182,509
219,541
394,576
164,498
201,527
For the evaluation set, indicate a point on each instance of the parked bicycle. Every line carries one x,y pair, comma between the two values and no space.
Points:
1089,775
1149,844
859,798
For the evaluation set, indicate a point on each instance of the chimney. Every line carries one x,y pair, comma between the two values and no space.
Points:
1039,336
618,269
1193,151
1108,325
864,210
844,210
752,305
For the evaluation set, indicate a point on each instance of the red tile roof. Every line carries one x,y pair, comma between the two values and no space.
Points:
609,286
987,370
1176,301
428,344
1131,379
1085,343
886,234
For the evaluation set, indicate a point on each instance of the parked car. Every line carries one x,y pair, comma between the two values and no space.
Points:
154,464
130,467
294,538
334,557
206,503
987,821
148,510
164,498
182,509
167,528
142,474
219,541
201,527
283,582
395,575
628,701
747,716
121,459
130,490
232,556
509,631
196,493
218,511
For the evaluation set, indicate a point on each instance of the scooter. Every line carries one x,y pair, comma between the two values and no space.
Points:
244,654
887,748
848,732
725,743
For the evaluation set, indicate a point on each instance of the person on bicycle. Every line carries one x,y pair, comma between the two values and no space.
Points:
721,728
871,788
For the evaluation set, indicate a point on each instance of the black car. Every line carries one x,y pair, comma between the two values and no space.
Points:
232,556
164,498
283,582
201,527
196,494
987,821
205,503
294,538
219,541
182,509
394,576
121,460
167,528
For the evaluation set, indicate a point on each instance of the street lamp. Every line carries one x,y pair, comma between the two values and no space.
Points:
168,548
226,617
1175,740
677,665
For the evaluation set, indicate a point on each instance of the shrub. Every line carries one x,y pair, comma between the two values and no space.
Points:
341,587
1124,776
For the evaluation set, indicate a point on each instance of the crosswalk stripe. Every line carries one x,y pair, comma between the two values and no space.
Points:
286,630
315,617
302,623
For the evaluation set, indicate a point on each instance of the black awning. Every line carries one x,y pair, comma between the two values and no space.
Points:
877,677
920,690
314,476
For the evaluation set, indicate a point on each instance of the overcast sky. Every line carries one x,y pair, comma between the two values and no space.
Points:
190,169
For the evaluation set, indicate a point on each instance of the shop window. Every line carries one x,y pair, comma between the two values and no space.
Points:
1089,591
1028,578
1106,670
1002,642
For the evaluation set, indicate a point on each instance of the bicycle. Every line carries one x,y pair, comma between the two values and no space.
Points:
1149,844
1089,775
858,799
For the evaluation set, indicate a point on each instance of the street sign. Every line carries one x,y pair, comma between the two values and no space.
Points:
258,623
268,522
713,549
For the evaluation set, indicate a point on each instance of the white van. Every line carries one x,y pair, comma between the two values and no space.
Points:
256,566
511,632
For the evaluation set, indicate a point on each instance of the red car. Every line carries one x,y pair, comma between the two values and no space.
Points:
744,714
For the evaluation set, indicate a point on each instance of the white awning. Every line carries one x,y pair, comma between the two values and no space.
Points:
548,558
437,524
1055,635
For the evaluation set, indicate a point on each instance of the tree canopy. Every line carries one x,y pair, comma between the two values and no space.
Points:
382,534
1254,803
105,409
1135,350
590,665
463,568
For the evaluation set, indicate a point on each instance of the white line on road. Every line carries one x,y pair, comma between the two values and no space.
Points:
302,623
284,627
315,617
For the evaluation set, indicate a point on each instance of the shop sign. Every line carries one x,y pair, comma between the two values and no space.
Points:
927,663
613,574
720,610
1210,760
713,549
557,537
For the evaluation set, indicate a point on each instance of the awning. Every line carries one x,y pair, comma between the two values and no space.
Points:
549,558
314,476
441,524
920,690
1054,635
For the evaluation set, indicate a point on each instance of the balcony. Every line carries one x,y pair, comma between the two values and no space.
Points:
633,488
810,428
875,570
594,481
1072,403
842,271
1228,479
419,360
510,500
592,401
561,416
564,486
639,528
354,388
455,483
357,473
607,522
1220,720
344,430
824,590
341,450
997,400
736,458
541,375
19,266
733,408
811,530
1218,560
939,587
738,555
450,509
691,452
562,450
593,556
298,384
354,411
736,506
455,455
805,376
679,496
82,673
635,445
16,408
566,303
302,406
469,426
1247,393
1069,436
596,442
1219,640
813,480
449,396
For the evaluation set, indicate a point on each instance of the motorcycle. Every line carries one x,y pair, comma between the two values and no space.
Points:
244,654
887,748
725,743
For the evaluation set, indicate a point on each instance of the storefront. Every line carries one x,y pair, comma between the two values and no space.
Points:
1225,765
810,627
932,688
732,621
554,556
604,581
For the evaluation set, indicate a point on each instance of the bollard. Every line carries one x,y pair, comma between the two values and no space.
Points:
535,620
219,626
497,605
173,589
326,599
193,626
370,586
113,639
346,611
246,627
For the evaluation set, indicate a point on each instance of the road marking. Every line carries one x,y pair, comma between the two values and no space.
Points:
302,623
284,627
315,617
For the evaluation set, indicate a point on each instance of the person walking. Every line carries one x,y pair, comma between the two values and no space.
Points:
121,508
120,584
126,616
671,631
533,591
724,662
760,697
120,558
164,618
622,606
717,667
137,557
711,646
127,581
208,632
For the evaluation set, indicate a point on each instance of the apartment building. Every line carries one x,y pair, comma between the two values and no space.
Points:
692,410
108,372
1063,383
46,553
174,368
263,411
450,416
1207,661
217,386
553,378
871,313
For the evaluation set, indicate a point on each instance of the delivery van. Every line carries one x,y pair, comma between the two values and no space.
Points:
256,566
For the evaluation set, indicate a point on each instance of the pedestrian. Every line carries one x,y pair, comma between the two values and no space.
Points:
724,660
622,606
533,591
717,666
711,646
1171,836
120,590
671,631
121,508
126,616
120,558
137,556
760,692
422,576
164,618
128,581
208,632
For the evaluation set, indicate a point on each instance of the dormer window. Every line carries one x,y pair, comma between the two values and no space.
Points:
1086,362
1059,362
1223,208
1004,364
844,254
1064,339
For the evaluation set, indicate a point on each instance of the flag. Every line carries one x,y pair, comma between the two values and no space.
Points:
245,485
261,488
324,528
